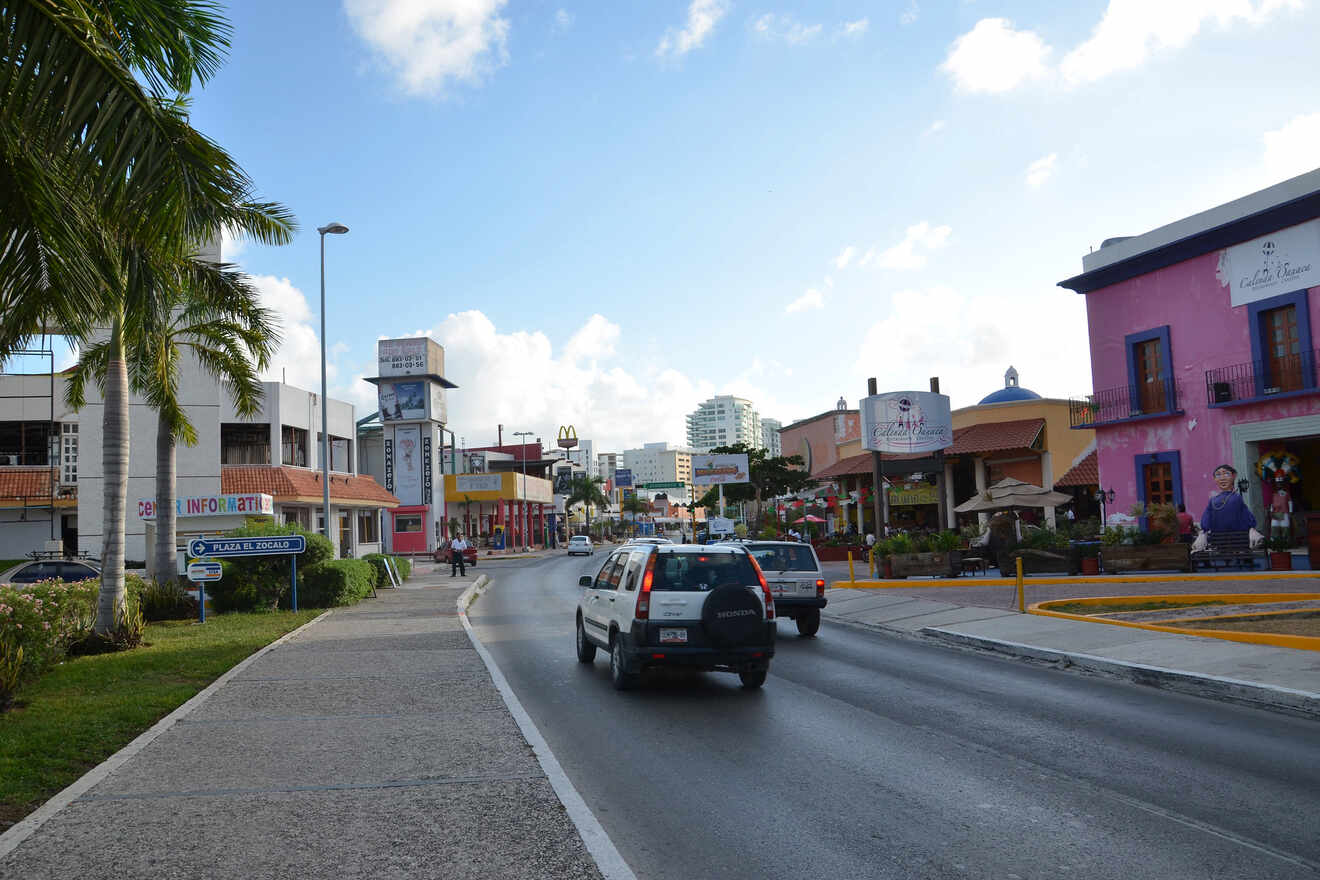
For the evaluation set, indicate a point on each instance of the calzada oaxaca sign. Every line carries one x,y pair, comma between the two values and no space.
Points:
906,422
1281,262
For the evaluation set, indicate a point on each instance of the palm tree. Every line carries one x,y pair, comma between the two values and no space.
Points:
105,189
585,490
634,505
231,337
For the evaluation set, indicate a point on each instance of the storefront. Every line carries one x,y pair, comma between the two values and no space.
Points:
500,511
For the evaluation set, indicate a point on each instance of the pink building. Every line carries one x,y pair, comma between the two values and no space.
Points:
1201,353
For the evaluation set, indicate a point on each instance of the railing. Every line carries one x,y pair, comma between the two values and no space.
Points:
1257,380
1124,403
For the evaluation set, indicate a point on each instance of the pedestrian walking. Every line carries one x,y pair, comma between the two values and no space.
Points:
457,564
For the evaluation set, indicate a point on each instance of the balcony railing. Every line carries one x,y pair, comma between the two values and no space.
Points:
1124,403
1259,380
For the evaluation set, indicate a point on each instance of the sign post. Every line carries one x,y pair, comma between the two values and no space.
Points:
274,545
200,573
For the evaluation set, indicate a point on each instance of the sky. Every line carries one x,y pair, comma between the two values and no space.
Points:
608,212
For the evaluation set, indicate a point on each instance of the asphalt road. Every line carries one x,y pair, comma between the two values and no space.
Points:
868,755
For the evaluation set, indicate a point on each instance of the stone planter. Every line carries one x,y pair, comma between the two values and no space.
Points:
1035,562
903,565
1153,557
839,553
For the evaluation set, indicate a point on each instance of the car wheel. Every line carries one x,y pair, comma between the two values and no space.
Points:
621,678
586,651
808,623
753,678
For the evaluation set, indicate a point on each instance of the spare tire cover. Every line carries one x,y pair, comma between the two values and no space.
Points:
732,616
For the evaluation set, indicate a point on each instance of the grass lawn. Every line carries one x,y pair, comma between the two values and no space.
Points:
87,708
1110,608
1296,625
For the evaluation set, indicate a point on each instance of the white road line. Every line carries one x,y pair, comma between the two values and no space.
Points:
611,863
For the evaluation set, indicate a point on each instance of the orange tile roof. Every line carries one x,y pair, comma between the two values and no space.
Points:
287,484
1085,473
968,440
30,487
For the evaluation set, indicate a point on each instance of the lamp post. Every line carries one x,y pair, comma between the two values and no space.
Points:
526,514
1104,496
333,229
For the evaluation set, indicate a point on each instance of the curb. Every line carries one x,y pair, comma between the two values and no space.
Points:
1232,690
24,828
1080,580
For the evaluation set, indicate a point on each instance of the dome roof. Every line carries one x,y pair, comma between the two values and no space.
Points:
1011,392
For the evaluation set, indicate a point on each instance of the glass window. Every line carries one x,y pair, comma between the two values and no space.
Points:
340,450
293,446
25,443
69,452
406,524
74,571
606,570
368,533
244,444
298,516
779,557
1283,350
633,573
702,571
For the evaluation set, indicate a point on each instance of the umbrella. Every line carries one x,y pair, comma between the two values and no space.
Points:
1009,493
809,518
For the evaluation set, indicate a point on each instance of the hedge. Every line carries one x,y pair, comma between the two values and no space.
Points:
377,561
334,583
261,583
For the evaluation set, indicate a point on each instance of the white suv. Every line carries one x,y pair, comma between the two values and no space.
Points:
795,578
654,605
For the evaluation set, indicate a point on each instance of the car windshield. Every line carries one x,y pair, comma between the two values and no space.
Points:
702,571
783,557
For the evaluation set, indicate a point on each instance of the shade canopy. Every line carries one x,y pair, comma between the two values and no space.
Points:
809,518
1009,493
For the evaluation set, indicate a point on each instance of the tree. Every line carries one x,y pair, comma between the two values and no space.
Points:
768,477
105,191
586,490
634,505
232,338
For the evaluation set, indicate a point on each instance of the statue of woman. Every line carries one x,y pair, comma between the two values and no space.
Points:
1227,512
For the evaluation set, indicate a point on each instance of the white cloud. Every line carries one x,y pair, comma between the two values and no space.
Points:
563,20
1131,30
935,127
1291,150
812,299
298,360
702,17
855,28
231,246
1041,170
429,43
845,257
785,28
993,57
904,255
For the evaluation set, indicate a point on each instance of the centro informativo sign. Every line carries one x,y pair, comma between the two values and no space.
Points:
906,422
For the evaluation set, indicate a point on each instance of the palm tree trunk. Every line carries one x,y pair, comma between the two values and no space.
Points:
167,521
114,465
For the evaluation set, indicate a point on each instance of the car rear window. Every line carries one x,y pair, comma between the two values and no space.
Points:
688,572
781,558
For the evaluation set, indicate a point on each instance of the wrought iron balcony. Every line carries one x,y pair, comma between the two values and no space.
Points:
1261,380
1124,403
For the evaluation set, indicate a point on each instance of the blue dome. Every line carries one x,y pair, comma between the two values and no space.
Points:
1009,395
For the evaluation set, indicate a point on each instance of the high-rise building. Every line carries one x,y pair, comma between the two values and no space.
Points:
722,421
770,437
606,464
661,463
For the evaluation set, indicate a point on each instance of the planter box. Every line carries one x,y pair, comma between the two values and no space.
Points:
941,564
828,553
1155,557
1036,562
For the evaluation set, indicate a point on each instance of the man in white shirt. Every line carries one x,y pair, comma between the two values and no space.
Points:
457,564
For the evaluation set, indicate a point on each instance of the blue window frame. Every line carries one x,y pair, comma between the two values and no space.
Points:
1130,343
1174,459
1260,344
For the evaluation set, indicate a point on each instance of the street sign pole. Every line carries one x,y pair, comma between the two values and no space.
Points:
293,578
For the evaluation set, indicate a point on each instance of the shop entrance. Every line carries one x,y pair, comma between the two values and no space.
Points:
1290,465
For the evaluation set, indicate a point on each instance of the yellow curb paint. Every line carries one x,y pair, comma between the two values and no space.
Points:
1179,598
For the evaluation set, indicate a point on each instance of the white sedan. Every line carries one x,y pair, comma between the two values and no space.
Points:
580,544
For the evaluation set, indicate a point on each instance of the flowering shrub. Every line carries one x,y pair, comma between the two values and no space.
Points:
44,619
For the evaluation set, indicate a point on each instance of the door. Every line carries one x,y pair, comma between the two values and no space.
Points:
1283,355
1157,476
601,596
1150,376
345,534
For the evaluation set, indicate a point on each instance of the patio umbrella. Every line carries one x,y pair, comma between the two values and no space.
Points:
809,518
1010,493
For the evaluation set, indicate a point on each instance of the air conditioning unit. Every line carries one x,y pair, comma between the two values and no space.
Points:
1222,391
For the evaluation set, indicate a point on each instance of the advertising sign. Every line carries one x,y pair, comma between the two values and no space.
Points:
905,422
205,571
439,411
426,468
402,401
1280,262
720,525
389,465
913,494
563,481
478,483
401,357
567,437
710,470
251,504
277,545
408,464
669,485
623,478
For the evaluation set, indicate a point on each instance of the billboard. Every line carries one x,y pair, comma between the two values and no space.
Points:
710,469
404,357
408,464
906,422
563,481
402,401
623,478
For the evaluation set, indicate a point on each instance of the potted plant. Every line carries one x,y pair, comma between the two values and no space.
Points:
923,555
1088,555
1280,557
1138,550
1041,551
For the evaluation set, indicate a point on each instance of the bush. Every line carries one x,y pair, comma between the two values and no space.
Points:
404,564
166,601
377,562
262,582
335,583
43,620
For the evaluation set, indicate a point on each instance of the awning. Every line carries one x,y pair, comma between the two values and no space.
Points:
292,485
1085,473
1020,434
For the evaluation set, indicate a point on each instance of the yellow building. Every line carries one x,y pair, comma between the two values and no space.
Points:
505,509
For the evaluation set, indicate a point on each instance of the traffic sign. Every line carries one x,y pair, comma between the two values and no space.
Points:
204,571
275,545
661,486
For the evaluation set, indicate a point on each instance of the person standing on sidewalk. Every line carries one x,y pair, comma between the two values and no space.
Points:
457,564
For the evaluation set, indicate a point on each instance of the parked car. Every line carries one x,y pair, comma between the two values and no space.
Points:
580,544
442,554
658,605
795,578
47,569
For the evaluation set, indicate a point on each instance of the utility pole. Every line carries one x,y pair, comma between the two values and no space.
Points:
877,478
942,501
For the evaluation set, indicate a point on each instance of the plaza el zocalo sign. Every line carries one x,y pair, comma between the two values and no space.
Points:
250,504
1281,262
906,422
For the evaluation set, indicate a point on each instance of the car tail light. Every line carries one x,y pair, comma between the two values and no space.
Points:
765,588
820,588
643,611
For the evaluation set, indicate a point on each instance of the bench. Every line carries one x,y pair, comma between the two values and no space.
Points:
1227,550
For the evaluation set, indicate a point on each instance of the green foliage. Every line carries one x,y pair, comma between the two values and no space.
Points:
335,583
261,583
164,601
899,544
768,533
377,562
769,477
1112,536
946,541
1044,539
1279,544
126,632
1088,550
404,565
1162,520
44,620
11,669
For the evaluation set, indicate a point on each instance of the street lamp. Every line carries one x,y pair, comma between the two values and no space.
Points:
333,229
1104,496
523,455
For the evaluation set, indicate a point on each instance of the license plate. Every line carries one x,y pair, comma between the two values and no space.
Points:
673,636
779,586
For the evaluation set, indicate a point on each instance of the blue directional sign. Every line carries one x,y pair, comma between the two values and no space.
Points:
275,545
623,478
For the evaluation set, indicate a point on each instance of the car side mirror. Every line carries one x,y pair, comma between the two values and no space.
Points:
584,581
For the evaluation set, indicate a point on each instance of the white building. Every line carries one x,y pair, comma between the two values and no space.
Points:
722,421
607,463
661,463
770,437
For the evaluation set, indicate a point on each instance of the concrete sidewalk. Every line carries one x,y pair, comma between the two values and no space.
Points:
1281,679
370,743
